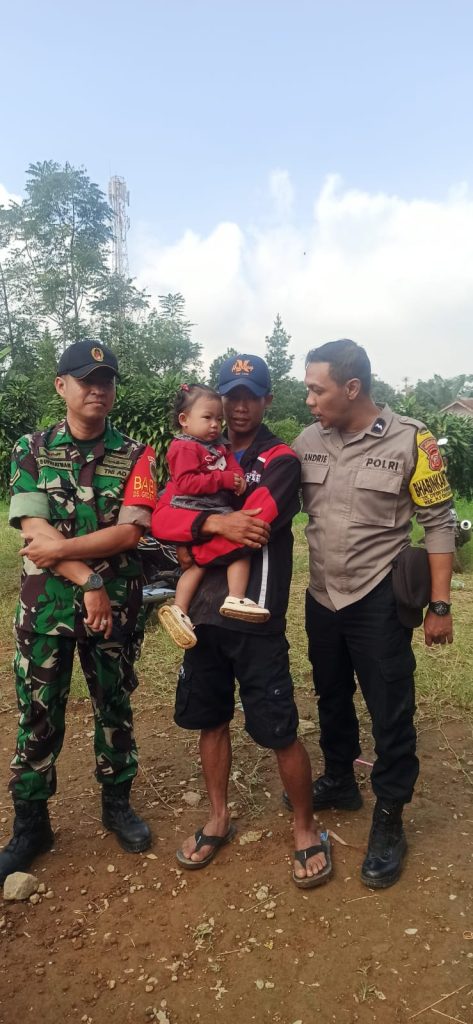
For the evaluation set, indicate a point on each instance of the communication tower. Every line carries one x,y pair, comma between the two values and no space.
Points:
119,199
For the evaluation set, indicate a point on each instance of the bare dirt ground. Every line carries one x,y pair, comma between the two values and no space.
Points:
135,939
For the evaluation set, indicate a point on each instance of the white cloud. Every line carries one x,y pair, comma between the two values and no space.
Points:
6,196
394,274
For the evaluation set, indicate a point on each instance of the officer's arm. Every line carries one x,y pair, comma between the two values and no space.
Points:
431,494
96,602
46,547
72,569
439,628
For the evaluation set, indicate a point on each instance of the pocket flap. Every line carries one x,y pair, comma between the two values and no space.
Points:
379,480
313,472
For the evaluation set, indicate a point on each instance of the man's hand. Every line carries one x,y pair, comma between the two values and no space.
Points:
438,629
239,528
239,484
43,550
99,612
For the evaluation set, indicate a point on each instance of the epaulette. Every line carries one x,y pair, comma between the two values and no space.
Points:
418,424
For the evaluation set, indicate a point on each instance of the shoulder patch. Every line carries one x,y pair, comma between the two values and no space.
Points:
429,484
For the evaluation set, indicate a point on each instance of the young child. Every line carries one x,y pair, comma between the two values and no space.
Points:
203,472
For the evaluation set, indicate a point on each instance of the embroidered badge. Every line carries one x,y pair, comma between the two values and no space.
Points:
430,447
429,484
242,366
97,354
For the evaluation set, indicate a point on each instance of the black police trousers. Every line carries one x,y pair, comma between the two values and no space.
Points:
366,639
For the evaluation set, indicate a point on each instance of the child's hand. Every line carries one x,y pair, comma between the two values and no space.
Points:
239,484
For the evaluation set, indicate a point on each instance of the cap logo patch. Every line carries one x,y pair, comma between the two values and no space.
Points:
242,366
97,354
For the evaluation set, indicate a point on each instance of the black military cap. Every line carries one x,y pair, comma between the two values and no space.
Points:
411,584
86,356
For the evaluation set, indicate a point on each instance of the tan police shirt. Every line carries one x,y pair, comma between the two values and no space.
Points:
360,492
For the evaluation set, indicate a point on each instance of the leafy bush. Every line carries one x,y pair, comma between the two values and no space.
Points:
459,450
142,410
287,429
18,415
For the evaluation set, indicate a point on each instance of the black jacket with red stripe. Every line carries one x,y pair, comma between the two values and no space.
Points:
272,472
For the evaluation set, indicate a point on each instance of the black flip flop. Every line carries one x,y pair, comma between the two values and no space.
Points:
311,881
201,839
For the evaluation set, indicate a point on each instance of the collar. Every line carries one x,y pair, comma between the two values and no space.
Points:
260,442
222,439
60,435
378,428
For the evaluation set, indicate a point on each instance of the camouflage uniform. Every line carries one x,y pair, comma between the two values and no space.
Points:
78,491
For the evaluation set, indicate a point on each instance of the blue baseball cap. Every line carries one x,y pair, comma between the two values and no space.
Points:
244,370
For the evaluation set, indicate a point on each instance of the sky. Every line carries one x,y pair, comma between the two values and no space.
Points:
312,159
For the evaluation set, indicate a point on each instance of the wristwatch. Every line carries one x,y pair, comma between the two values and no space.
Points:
439,607
94,582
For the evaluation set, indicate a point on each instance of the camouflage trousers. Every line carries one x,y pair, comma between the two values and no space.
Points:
43,669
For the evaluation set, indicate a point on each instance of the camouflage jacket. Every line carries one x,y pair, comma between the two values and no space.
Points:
79,494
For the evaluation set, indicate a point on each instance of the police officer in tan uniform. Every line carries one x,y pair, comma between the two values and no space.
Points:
365,472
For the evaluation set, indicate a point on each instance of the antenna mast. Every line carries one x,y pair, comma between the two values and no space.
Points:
119,199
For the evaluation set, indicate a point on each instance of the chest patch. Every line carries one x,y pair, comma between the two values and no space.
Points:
391,464
50,462
110,471
319,458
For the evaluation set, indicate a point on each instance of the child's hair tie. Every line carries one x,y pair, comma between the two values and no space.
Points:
184,387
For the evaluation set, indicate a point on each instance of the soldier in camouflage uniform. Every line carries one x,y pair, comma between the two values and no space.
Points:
82,494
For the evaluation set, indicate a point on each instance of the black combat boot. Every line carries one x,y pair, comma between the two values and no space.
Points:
387,846
117,816
32,835
340,792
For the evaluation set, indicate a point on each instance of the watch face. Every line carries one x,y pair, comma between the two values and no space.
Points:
440,607
94,582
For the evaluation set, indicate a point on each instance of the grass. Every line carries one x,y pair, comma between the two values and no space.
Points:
444,674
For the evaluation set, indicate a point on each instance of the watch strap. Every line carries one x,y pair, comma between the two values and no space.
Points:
439,607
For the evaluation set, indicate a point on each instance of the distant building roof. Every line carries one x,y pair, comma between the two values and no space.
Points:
460,407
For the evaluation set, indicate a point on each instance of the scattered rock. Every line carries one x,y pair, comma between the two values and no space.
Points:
250,837
191,798
19,886
262,893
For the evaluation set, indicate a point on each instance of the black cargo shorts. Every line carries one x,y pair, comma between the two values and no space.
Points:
205,697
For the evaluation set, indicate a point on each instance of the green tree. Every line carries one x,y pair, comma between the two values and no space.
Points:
62,233
162,344
383,393
117,309
438,392
277,356
18,314
46,357
289,402
214,368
